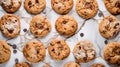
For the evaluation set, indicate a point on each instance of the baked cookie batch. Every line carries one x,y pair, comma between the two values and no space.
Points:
34,51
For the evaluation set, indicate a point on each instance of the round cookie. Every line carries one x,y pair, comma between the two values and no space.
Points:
109,27
34,6
113,6
86,8
10,25
62,6
97,65
84,51
34,51
22,64
71,64
40,26
11,5
58,49
112,53
66,25
5,52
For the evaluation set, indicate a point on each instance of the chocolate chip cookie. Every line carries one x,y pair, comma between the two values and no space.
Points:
86,8
97,65
34,6
84,51
10,25
34,51
40,26
109,27
66,25
5,52
58,49
112,53
113,6
11,5
22,64
71,64
62,6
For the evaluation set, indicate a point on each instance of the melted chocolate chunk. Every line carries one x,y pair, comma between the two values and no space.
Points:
117,4
30,4
40,26
10,31
58,42
36,1
64,22
115,27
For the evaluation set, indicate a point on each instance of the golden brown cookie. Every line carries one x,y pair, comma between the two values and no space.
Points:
113,6
84,51
112,53
10,25
66,25
86,8
71,64
109,27
58,49
34,6
22,64
62,6
11,5
34,51
40,26
5,52
97,65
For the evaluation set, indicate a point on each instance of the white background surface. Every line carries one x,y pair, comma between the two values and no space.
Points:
90,30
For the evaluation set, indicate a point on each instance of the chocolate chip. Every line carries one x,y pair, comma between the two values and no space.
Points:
14,51
117,24
10,6
63,33
25,30
106,42
53,50
58,42
36,32
117,4
59,7
51,44
30,4
110,19
14,46
100,14
10,30
37,1
79,47
15,20
81,34
64,22
39,25
16,60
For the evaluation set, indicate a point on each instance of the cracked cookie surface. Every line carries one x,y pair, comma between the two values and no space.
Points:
86,8
84,51
34,6
10,25
58,49
109,27
11,5
113,6
5,52
22,64
34,51
112,53
62,6
66,25
71,64
40,26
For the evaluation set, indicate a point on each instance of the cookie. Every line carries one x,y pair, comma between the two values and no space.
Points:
62,6
112,53
84,51
10,25
58,49
34,51
40,26
34,6
113,6
11,6
109,27
86,8
97,65
5,52
22,64
71,64
66,25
